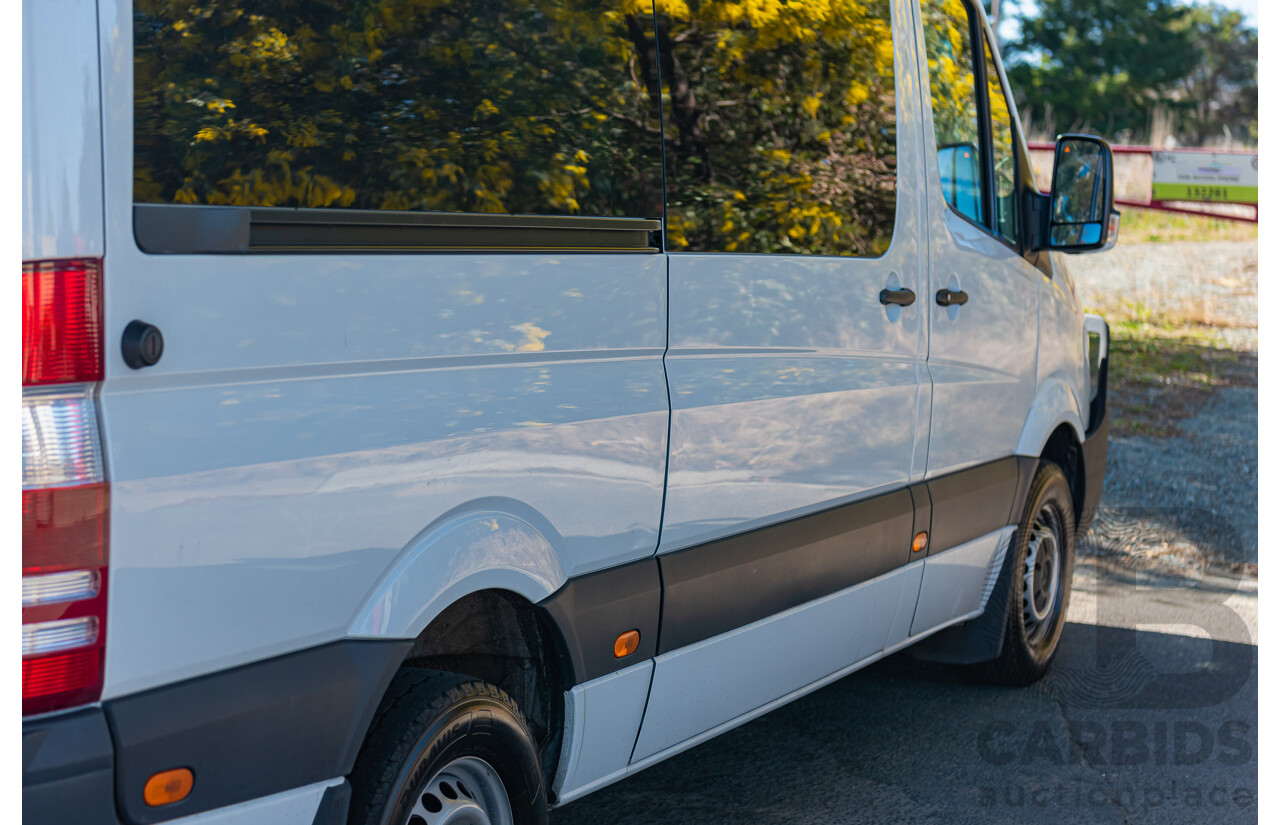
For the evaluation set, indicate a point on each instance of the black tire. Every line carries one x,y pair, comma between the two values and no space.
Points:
429,720
1030,645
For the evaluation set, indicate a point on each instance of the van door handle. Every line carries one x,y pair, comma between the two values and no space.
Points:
952,297
901,297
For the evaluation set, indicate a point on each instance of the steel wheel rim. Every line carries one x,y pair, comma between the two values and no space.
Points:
467,791
1042,575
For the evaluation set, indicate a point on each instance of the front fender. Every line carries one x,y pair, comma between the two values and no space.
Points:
1055,404
484,548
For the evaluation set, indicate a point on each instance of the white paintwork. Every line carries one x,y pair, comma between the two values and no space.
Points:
602,718
900,630
465,553
982,356
957,582
1055,404
295,807
792,388
719,679
1097,325
1062,357
712,733
61,132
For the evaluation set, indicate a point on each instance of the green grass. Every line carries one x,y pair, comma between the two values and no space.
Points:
1151,356
1161,372
1150,225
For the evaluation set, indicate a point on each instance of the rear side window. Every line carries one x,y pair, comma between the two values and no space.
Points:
949,51
479,106
781,126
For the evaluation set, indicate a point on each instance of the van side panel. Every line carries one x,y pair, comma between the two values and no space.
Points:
61,130
793,388
1062,359
314,417
698,687
283,454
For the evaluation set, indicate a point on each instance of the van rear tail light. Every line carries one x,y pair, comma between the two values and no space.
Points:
57,636
61,680
56,588
61,322
64,595
65,495
60,444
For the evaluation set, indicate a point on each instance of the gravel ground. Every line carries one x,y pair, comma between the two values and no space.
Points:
1186,501
1212,283
1189,499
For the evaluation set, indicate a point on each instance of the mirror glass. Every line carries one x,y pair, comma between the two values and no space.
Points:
961,185
1080,183
1075,234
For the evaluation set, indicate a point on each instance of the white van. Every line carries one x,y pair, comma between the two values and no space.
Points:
435,410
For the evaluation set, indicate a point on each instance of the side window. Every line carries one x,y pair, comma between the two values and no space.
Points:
1002,147
955,106
781,126
495,106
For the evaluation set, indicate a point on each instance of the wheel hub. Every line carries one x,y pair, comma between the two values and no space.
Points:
1041,575
466,791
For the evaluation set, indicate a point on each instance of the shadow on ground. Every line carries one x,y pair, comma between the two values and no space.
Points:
1131,726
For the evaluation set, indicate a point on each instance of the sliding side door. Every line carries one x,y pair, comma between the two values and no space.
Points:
795,326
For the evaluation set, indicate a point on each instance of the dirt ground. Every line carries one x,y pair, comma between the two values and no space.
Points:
1182,472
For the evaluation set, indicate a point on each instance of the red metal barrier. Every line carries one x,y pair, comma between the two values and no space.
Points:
1177,206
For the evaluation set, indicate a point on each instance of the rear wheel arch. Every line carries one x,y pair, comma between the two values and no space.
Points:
501,638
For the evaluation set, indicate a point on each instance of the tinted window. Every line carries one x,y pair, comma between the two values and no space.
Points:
955,105
1002,149
516,106
781,129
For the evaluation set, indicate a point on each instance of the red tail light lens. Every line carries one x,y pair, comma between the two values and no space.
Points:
64,605
61,680
61,322
64,487
64,528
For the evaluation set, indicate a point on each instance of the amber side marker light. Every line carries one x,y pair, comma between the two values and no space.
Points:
168,787
626,644
920,542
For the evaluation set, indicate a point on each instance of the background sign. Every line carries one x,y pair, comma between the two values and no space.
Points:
1204,176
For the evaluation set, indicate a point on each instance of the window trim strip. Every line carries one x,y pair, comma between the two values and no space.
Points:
184,229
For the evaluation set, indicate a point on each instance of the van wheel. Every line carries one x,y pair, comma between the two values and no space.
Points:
447,748
1040,589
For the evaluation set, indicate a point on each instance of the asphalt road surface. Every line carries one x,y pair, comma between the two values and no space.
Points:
1149,716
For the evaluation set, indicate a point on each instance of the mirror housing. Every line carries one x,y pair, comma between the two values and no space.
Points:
1080,213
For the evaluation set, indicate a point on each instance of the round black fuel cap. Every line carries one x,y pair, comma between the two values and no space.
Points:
141,345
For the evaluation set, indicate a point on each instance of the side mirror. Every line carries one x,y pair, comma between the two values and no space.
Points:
1082,217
